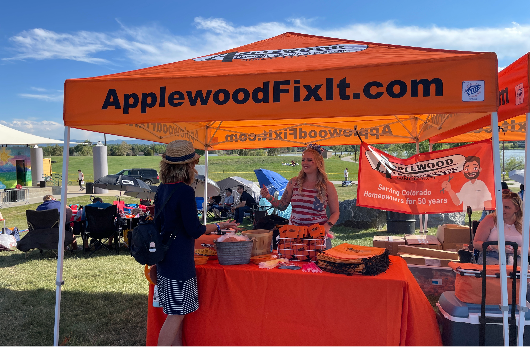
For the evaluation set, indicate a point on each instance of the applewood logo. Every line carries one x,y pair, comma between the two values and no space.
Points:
423,169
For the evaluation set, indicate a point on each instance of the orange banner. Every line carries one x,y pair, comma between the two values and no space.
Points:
436,182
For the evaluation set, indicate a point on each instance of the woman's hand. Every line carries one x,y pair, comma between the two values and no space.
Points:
264,192
229,224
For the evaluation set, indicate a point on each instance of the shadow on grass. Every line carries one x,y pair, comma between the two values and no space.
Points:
12,258
90,319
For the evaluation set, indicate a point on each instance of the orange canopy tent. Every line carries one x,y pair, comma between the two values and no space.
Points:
256,96
286,91
513,107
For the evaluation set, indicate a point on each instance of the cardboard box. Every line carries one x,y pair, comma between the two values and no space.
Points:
453,246
428,252
456,234
421,260
389,242
425,241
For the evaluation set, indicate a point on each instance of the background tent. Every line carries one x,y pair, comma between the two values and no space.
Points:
513,102
234,181
9,136
290,77
272,180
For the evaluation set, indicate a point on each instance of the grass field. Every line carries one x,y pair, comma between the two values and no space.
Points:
104,298
219,167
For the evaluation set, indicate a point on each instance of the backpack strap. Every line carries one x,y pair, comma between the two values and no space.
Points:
165,202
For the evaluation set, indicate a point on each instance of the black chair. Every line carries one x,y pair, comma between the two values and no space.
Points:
43,231
102,225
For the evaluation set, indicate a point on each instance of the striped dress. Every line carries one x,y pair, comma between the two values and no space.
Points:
307,209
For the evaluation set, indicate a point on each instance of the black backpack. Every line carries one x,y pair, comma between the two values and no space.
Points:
145,242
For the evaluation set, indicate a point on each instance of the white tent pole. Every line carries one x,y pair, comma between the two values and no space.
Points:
500,225
205,205
60,247
524,251
420,215
426,216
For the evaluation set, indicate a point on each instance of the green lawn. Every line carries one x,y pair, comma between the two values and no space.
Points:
219,166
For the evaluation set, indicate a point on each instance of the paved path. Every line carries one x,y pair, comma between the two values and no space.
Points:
349,158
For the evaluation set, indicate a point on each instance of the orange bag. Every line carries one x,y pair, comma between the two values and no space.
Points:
469,288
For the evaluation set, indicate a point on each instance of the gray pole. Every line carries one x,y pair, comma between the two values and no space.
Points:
99,160
37,170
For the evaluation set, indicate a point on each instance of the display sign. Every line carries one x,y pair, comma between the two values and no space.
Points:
435,182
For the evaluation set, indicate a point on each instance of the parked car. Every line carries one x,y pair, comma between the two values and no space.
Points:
149,176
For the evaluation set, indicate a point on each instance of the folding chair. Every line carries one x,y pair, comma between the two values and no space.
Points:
101,225
199,200
43,231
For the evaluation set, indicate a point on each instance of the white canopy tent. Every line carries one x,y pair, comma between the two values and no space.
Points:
10,136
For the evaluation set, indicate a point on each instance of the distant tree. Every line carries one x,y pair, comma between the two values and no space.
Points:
271,152
54,150
148,151
123,148
513,163
158,148
84,148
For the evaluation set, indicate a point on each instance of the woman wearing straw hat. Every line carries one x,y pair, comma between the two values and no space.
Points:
309,194
176,277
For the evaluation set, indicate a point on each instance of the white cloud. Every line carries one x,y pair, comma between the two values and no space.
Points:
153,44
43,44
53,98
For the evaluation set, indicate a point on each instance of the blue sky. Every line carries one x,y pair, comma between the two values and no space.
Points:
43,43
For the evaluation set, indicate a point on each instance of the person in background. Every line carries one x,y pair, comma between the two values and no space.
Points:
309,194
81,179
228,201
246,201
521,193
176,276
513,228
505,189
346,174
50,203
96,202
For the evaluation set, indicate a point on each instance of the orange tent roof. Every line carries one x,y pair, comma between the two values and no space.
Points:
262,92
513,102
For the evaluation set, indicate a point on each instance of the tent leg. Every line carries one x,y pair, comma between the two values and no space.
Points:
60,246
422,230
205,204
524,250
500,224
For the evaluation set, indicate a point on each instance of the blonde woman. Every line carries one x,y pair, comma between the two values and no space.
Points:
309,193
176,277
513,228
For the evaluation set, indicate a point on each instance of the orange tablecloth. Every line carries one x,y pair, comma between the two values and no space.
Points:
245,305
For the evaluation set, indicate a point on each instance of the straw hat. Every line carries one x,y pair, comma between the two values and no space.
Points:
180,152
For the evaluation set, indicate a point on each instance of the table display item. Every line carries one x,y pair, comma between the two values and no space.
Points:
301,243
271,264
233,253
350,259
263,241
207,251
200,259
261,258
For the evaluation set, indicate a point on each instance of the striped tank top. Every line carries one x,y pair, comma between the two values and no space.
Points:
307,209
